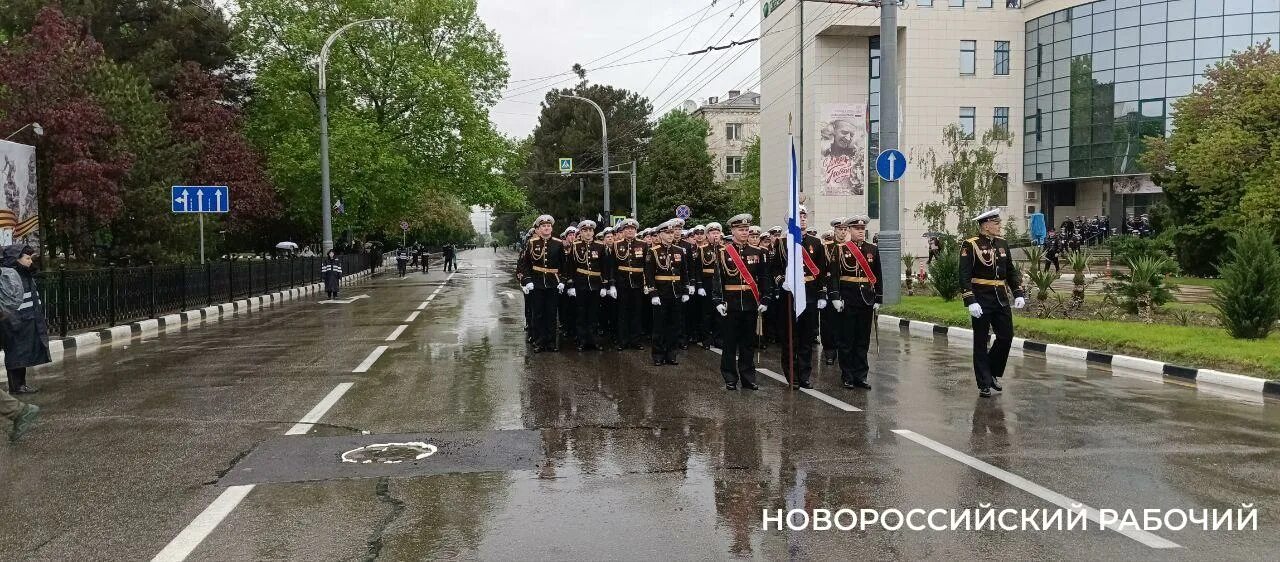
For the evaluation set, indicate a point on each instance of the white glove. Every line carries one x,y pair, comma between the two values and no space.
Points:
655,301
822,303
762,308
1019,302
702,292
723,309
560,287
603,292
838,305
691,289
527,288
875,307
613,292
572,292
975,310
684,298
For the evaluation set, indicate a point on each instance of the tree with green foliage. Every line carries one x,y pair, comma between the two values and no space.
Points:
1248,300
679,171
408,107
965,178
1220,167
744,192
570,128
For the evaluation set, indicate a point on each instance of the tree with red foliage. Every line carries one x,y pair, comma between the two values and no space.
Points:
42,80
223,154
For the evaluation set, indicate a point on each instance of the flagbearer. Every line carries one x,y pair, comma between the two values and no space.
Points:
584,267
990,283
740,290
857,292
538,271
667,282
797,346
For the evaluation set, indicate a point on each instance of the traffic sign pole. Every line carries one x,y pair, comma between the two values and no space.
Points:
201,238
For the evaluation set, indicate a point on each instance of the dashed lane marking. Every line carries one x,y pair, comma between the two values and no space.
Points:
396,333
371,359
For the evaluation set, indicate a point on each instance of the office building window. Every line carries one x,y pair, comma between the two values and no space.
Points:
956,3
1002,58
732,165
1000,121
733,131
924,3
967,121
984,3
968,58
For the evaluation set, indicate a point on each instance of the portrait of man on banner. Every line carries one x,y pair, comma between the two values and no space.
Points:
842,149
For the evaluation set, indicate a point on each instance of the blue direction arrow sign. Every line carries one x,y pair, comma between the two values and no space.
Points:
683,212
201,199
891,165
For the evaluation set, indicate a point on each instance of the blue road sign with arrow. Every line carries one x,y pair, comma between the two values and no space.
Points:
891,165
201,199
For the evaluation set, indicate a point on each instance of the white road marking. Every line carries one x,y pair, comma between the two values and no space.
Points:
309,420
772,375
396,334
422,306
181,546
1064,502
412,317
369,361
814,393
203,525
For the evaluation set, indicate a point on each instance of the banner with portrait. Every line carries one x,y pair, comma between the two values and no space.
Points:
841,163
19,205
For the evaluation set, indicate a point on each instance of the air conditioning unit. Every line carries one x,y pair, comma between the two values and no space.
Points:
1032,197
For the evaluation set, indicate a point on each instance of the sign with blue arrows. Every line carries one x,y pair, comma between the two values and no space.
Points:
891,165
201,199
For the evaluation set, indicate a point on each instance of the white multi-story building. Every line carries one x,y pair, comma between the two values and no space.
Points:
1077,84
735,123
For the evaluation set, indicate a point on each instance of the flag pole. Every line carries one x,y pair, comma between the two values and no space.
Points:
791,296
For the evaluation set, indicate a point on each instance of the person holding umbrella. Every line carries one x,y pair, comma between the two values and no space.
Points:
331,272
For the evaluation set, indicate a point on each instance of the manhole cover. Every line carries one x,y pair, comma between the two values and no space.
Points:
389,453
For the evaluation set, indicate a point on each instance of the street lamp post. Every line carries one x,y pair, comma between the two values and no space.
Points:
326,213
604,140
39,131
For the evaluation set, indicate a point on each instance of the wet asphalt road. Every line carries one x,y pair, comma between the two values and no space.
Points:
629,461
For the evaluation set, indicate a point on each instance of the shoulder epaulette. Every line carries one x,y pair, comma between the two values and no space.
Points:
974,239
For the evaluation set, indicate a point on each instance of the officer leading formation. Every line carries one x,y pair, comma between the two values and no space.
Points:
670,286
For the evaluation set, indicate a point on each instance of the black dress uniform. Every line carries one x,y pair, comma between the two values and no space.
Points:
666,279
706,267
990,280
730,289
585,267
540,264
628,278
859,296
690,309
816,284
828,324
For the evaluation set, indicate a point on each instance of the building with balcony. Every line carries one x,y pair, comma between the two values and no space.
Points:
735,123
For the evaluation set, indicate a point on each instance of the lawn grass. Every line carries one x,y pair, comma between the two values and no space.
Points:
1197,281
1191,346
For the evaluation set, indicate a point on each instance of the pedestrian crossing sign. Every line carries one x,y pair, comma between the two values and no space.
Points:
566,165
617,219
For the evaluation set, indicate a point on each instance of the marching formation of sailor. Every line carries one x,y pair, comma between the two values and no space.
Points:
723,286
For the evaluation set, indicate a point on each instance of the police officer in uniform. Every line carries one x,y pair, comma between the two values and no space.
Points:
627,284
538,270
816,282
991,284
857,285
827,317
740,291
402,261
667,283
585,267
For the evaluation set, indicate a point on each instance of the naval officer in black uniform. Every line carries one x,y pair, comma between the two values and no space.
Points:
991,284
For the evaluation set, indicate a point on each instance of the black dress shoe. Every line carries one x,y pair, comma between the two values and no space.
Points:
672,362
638,346
985,393
621,348
750,386
684,346
553,349
805,385
996,387
582,348
829,361
862,384
658,362
848,385
731,386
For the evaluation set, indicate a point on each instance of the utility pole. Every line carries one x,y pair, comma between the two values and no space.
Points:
604,141
634,212
890,236
582,187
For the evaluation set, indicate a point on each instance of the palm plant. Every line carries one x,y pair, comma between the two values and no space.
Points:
908,263
1078,261
1144,288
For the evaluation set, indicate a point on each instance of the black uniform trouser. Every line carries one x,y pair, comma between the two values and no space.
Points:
17,378
988,364
630,307
802,352
829,329
608,316
693,318
545,303
853,341
588,303
568,314
666,328
710,319
402,266
528,314
738,358
1053,259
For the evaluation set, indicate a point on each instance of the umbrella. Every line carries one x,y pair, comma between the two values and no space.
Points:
287,246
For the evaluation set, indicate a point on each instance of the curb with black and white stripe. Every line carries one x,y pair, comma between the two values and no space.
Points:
1188,374
194,317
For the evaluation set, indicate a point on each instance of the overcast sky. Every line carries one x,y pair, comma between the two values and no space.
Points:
546,37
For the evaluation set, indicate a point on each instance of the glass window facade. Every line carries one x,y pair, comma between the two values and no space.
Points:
968,58
967,121
1000,120
1101,76
1002,58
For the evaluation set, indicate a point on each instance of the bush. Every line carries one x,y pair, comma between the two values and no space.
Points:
944,272
1125,249
1248,299
1144,288
1198,248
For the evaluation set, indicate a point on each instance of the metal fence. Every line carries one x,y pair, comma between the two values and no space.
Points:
78,300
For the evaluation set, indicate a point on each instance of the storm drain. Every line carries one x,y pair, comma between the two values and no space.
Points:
311,459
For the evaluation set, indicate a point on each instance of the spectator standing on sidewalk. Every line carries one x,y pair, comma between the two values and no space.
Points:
331,271
23,329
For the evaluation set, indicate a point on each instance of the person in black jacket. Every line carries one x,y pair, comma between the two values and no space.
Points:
740,292
331,272
666,280
816,282
585,264
538,271
23,329
991,283
857,291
